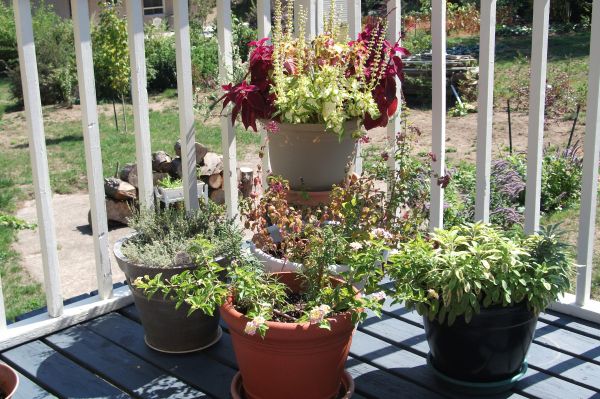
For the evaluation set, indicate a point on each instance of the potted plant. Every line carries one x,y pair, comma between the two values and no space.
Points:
480,290
168,243
282,232
313,96
170,190
291,331
9,381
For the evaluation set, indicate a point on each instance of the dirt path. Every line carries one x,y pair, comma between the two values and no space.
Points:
75,246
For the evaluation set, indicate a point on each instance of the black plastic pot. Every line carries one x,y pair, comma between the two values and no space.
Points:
491,348
168,329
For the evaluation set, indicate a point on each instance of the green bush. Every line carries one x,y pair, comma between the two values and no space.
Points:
205,57
55,57
160,58
8,38
111,52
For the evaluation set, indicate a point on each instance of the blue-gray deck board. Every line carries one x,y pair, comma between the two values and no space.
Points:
106,357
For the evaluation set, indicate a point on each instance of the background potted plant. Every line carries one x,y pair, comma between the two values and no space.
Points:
480,291
302,320
167,243
9,381
305,91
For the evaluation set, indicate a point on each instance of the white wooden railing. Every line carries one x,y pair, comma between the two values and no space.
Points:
59,316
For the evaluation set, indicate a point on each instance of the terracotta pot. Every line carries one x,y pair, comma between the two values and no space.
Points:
168,329
310,158
9,380
308,198
294,360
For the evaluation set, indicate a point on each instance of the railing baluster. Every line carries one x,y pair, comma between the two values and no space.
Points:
394,9
39,159
93,151
185,98
354,28
537,103
263,14
589,187
2,311
227,132
438,83
485,106
139,98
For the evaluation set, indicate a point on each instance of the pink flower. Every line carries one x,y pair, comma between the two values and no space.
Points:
364,139
272,127
254,325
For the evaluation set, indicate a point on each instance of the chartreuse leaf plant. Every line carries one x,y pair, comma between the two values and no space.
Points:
456,272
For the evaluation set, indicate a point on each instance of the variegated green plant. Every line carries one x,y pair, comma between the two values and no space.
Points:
454,273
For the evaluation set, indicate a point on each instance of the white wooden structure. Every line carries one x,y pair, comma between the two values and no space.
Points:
59,317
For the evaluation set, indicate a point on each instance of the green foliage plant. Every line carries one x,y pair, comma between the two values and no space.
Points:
169,182
111,51
456,272
54,48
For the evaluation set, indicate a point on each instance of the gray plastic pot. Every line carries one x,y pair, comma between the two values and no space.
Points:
168,329
310,158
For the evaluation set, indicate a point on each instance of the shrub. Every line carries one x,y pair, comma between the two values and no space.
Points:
205,57
8,38
55,54
160,58
111,52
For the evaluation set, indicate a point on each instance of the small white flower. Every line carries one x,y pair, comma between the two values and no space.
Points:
316,315
382,233
250,328
379,296
357,246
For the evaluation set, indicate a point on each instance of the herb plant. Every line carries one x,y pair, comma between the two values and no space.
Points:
169,182
164,237
455,272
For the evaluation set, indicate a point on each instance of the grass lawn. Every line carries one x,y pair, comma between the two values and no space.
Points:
66,157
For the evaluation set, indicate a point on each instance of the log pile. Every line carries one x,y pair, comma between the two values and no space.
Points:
122,190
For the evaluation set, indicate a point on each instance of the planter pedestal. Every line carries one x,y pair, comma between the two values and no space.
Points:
308,198
346,389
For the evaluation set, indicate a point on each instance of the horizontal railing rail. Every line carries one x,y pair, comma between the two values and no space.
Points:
59,316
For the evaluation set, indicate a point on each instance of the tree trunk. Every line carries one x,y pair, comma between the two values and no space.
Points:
115,113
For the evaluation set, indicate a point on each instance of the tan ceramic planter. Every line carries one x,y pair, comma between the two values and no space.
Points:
310,158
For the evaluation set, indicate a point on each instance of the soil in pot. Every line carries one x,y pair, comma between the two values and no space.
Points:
9,381
168,329
491,348
310,158
294,360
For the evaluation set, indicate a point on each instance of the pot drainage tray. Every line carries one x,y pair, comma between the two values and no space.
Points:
479,388
346,389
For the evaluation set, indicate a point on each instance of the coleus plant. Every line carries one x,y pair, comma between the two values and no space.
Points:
328,80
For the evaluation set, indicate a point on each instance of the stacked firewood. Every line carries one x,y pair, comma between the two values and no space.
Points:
122,190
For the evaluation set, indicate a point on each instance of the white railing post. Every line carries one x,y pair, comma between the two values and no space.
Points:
91,137
354,28
263,15
438,107
227,131
185,98
394,9
589,186
39,159
485,106
139,98
537,102
2,311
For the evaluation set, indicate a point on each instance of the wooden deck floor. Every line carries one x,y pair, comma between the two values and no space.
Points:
107,358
